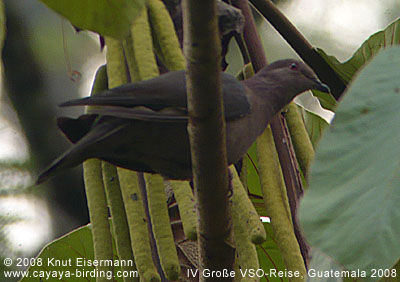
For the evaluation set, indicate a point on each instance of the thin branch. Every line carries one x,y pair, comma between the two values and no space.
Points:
286,154
251,36
300,44
291,174
242,48
207,136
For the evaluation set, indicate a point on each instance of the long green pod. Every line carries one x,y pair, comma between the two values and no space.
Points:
146,67
300,138
168,48
250,218
166,42
246,250
133,201
96,198
142,45
247,228
161,226
110,177
118,218
186,205
139,236
277,205
116,70
98,212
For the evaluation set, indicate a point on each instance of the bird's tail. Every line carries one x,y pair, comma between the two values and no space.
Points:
74,130
83,132
67,160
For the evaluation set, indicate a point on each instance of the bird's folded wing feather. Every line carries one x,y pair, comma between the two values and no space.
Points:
164,97
142,113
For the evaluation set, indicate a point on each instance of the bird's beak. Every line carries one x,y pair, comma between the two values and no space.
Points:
318,85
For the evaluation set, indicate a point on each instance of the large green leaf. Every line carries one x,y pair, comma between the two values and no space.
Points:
320,265
315,126
384,38
351,211
270,258
326,100
70,251
109,18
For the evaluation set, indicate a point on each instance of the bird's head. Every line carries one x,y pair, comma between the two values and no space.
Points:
293,75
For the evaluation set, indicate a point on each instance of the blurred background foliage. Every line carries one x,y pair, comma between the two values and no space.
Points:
46,62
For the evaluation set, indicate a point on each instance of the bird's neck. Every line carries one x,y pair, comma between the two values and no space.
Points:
268,93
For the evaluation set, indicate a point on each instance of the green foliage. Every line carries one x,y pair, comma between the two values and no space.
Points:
270,258
72,249
269,255
315,125
351,210
382,39
321,263
109,18
326,100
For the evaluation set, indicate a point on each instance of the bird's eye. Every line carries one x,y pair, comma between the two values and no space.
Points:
294,66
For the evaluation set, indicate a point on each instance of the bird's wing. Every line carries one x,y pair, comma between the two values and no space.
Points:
167,91
236,101
142,113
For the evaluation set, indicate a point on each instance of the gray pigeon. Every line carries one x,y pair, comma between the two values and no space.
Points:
142,126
